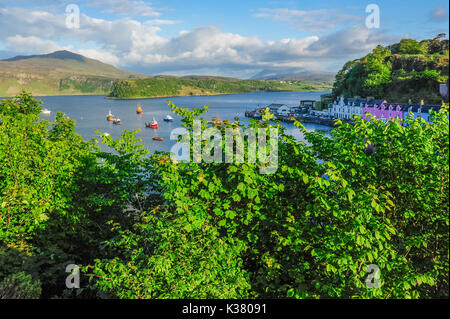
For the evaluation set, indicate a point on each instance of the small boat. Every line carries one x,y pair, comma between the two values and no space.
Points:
46,111
168,118
110,116
116,121
153,124
139,110
158,139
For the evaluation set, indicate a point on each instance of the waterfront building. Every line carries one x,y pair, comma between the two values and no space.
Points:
307,104
280,109
417,111
345,108
382,111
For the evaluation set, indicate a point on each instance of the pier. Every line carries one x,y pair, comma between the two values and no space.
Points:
289,119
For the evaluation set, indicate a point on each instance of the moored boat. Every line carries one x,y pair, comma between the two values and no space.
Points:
46,111
168,118
154,124
158,139
139,110
116,121
110,116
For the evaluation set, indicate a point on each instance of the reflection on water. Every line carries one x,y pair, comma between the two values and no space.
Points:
90,113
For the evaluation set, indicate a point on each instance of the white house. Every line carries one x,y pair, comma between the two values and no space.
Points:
345,108
280,109
320,113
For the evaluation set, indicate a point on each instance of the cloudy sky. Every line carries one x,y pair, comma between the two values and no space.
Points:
231,38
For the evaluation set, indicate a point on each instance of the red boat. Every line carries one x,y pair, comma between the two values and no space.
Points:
153,124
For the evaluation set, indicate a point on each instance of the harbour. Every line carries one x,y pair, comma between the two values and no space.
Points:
90,113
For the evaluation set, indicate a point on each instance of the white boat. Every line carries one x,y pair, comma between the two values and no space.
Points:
46,111
154,124
168,118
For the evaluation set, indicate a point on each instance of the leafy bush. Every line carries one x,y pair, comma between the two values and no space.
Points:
308,231
373,196
20,286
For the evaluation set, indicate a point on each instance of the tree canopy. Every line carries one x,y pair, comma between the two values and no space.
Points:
368,205
408,70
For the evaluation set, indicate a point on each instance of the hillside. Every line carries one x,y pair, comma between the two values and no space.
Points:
166,86
295,75
58,73
402,72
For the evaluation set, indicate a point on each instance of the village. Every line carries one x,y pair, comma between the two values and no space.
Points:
311,111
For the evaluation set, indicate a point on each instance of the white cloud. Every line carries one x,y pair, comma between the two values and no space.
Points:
439,14
350,42
162,22
317,21
125,7
99,54
31,44
138,46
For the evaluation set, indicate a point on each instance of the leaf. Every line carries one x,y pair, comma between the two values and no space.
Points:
305,178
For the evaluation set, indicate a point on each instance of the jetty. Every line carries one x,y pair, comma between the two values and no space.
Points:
289,118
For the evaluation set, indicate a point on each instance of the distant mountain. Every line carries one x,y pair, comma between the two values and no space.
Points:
59,73
295,75
62,55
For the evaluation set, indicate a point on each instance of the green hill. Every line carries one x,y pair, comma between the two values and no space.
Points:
58,73
409,70
166,86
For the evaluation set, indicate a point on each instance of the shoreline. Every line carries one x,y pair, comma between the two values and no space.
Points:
288,119
197,95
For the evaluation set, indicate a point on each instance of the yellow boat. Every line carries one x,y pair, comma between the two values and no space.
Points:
110,116
139,110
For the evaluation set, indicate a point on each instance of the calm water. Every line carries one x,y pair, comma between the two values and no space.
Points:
90,113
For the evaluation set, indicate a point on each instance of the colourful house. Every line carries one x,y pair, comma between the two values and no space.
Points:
419,111
382,112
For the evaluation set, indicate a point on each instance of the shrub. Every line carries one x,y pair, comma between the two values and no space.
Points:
20,286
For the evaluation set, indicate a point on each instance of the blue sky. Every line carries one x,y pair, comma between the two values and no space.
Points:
231,38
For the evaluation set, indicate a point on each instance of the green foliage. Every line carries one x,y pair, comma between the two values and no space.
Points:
171,86
20,286
57,191
308,231
405,71
37,165
374,193
410,46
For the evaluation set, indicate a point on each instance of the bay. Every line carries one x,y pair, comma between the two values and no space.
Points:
90,113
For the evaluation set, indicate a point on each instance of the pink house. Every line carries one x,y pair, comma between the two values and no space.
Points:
382,112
